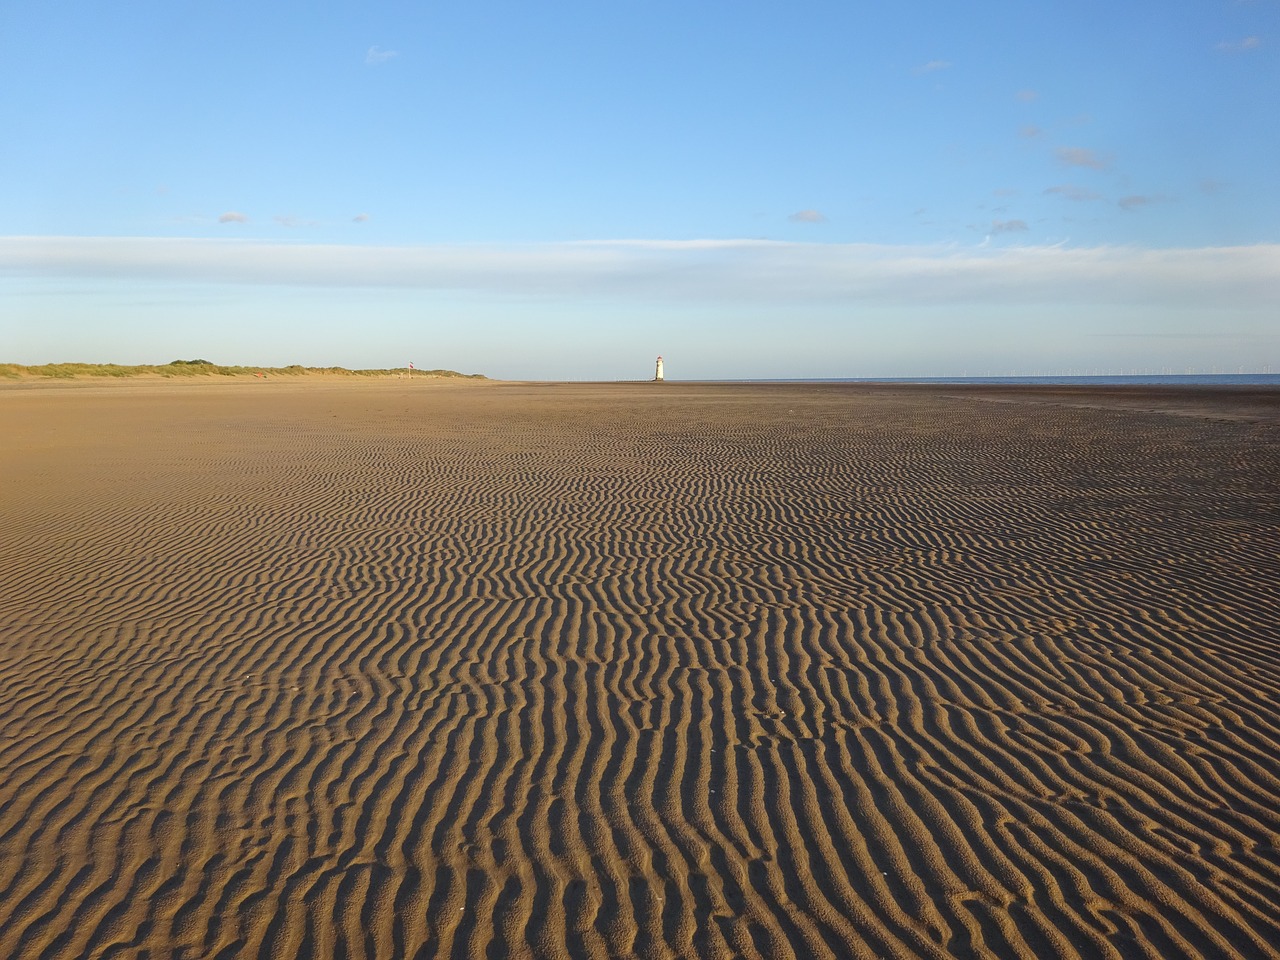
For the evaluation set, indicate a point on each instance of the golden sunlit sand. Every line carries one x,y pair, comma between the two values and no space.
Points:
411,669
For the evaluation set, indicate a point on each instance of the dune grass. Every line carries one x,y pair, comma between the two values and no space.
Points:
196,368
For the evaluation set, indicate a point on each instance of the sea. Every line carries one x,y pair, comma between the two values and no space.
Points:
1147,380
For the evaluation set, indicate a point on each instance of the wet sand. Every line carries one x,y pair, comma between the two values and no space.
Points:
418,669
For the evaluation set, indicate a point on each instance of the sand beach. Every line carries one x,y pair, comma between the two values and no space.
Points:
427,668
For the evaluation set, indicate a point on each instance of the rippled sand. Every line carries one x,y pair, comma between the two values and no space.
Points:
425,669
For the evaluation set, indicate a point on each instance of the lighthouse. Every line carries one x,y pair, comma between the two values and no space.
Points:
657,373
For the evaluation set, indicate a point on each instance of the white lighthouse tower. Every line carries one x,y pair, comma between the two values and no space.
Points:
657,373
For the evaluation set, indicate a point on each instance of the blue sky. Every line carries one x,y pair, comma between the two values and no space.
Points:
565,190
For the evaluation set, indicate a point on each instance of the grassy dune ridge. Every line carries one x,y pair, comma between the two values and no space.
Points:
197,368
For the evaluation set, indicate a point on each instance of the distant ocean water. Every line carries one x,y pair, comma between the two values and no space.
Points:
1174,380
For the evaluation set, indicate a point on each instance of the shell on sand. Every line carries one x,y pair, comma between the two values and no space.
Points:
416,669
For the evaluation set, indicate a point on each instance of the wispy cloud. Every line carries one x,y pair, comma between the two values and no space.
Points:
1082,157
1027,96
739,271
360,218
1238,46
1030,132
933,66
1138,201
376,55
1008,226
1072,192
807,216
231,216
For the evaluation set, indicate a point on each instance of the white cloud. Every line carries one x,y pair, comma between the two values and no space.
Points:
375,55
700,271
231,216
1082,157
1238,46
807,216
933,66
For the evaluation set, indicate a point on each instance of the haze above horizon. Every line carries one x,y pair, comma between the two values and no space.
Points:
750,189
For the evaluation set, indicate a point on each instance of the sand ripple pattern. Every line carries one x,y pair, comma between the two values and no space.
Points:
680,671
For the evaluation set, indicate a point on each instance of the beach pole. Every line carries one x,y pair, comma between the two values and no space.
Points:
410,369
657,375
